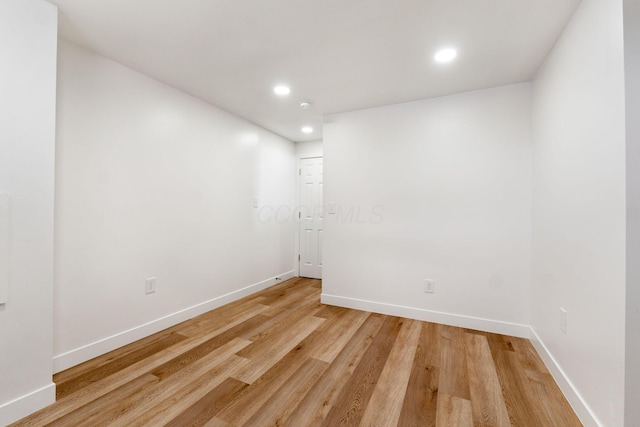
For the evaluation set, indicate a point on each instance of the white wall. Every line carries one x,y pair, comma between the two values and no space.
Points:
151,182
27,130
632,97
437,189
579,208
308,149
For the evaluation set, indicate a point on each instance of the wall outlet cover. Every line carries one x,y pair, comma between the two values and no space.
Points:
429,286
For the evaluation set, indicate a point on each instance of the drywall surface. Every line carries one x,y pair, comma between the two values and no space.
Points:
27,143
308,149
579,207
632,97
437,189
151,182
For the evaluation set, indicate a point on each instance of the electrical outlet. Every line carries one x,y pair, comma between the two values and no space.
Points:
563,320
429,286
150,285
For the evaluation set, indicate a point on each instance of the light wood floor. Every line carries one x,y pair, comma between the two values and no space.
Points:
280,357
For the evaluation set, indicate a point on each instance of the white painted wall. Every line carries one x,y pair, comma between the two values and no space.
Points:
632,97
437,189
151,182
27,131
579,208
308,149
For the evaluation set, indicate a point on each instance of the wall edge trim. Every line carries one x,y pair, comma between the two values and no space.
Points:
27,404
87,352
571,393
469,322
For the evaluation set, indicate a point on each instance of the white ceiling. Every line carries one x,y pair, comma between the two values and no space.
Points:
341,55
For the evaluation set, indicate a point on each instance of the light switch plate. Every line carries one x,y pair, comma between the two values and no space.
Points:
150,285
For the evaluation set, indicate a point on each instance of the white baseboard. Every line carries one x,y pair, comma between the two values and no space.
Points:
582,410
25,405
494,326
105,345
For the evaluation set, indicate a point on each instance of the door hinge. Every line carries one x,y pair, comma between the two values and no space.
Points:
299,214
299,171
298,257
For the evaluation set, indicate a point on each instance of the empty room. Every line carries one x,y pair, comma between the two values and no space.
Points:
320,213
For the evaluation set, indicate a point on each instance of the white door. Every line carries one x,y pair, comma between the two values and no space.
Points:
311,217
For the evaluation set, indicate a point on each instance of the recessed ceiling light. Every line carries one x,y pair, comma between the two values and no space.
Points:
282,90
307,129
445,55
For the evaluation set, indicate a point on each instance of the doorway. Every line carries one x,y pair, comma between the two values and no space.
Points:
311,218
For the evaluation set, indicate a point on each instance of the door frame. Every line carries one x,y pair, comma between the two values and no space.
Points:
299,158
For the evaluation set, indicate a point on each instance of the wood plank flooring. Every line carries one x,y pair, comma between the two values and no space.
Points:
280,358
